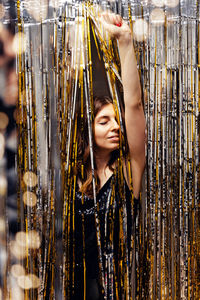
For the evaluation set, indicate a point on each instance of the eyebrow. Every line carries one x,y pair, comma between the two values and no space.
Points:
103,117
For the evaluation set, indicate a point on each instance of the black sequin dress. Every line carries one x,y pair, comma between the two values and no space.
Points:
86,209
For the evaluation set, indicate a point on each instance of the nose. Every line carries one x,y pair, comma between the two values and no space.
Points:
115,125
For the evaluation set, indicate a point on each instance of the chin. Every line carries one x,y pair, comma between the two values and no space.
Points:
116,147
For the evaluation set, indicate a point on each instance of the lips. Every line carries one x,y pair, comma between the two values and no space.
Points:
114,137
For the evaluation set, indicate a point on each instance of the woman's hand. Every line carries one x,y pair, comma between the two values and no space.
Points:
116,27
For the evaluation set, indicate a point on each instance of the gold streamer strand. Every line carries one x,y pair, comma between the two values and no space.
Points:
166,244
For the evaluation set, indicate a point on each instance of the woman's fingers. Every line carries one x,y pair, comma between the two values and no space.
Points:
118,21
115,26
111,18
111,22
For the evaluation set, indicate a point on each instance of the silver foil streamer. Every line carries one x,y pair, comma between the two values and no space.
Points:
166,253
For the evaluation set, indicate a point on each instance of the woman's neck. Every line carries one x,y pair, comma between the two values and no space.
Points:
103,170
102,162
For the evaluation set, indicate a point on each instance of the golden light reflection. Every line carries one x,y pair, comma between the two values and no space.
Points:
2,145
11,141
24,282
19,43
2,225
35,281
55,3
4,120
158,3
140,30
30,199
18,251
170,196
21,238
3,185
16,293
34,240
157,16
37,9
2,11
171,3
17,270
30,179
31,239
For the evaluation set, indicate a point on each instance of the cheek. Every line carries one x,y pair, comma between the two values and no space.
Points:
99,133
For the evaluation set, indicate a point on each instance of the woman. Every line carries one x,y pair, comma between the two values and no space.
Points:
102,251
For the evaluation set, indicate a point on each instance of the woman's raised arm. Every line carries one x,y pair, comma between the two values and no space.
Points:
134,114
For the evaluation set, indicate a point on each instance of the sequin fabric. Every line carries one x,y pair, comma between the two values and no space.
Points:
87,210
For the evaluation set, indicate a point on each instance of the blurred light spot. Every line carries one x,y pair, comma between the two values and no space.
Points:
1,295
140,30
21,238
2,225
17,270
54,3
19,43
30,199
158,3
3,259
157,16
3,185
24,282
34,241
16,293
171,3
37,9
17,250
2,11
35,281
2,145
4,120
11,141
30,179
30,239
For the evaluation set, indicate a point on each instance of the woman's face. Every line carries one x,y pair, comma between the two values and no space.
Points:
106,129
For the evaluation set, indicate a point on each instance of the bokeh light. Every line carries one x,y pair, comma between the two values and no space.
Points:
140,30
2,145
21,238
17,270
158,3
38,9
17,250
30,199
31,239
4,120
11,142
19,43
157,16
2,225
35,281
30,179
34,240
24,282
16,293
3,185
171,3
2,11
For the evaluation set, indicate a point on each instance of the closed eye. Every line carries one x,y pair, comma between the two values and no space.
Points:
103,123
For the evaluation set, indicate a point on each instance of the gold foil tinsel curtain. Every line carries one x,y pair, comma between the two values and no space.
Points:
56,65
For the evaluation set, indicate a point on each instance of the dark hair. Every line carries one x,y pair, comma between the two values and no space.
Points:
83,151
